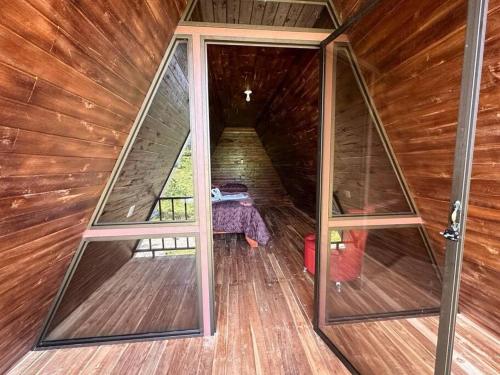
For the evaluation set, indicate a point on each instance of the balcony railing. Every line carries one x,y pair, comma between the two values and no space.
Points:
173,209
155,247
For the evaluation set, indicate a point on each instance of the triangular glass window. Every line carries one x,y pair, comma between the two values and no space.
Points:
365,176
176,202
158,164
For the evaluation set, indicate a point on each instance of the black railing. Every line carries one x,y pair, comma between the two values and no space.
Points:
173,209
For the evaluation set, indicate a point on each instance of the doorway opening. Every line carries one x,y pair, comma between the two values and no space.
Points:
264,111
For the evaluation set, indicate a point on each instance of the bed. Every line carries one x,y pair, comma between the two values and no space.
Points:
240,216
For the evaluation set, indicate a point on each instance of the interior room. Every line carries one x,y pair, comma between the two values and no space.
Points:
249,187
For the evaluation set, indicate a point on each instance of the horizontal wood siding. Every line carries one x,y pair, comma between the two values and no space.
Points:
416,49
288,128
155,149
72,78
234,69
240,157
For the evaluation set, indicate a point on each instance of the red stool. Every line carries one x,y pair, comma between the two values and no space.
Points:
310,253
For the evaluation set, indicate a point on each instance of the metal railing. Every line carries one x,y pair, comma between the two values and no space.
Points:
154,247
174,209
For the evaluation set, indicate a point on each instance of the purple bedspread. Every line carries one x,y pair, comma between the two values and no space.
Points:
232,217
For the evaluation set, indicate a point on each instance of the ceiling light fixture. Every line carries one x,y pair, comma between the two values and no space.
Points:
247,92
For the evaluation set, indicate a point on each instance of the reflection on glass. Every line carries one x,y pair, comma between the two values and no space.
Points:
364,180
176,202
380,271
375,277
266,13
155,182
130,287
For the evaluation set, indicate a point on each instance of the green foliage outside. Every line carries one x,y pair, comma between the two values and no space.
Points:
180,182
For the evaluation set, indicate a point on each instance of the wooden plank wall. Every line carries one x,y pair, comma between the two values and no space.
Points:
283,108
234,69
363,177
417,49
240,157
480,294
155,149
288,128
72,78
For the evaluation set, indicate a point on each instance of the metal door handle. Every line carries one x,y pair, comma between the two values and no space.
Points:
452,233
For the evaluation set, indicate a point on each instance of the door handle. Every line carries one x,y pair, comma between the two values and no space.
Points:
452,233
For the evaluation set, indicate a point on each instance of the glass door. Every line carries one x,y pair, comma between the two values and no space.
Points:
383,280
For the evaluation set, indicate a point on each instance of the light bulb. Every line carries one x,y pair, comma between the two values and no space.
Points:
247,93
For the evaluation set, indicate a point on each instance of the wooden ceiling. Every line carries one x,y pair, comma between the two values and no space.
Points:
259,12
233,69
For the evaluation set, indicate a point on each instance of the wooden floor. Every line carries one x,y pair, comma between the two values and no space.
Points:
145,295
264,310
408,346
382,290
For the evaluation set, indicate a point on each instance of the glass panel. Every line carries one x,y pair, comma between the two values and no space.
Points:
364,181
158,171
130,287
379,271
375,278
396,83
261,12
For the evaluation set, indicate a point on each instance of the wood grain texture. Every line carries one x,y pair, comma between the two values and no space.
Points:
383,347
156,148
264,304
364,179
347,8
145,295
240,157
264,308
255,12
99,262
397,274
283,108
288,127
414,51
234,69
73,75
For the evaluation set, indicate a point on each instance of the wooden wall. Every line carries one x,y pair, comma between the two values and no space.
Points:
240,157
283,108
72,78
417,48
288,128
363,176
234,69
347,8
480,295
156,148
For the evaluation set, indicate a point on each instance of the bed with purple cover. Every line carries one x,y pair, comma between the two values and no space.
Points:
240,217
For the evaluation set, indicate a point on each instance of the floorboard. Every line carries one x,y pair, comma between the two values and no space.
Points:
264,307
145,295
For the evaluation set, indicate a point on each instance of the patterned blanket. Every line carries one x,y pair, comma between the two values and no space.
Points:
233,217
